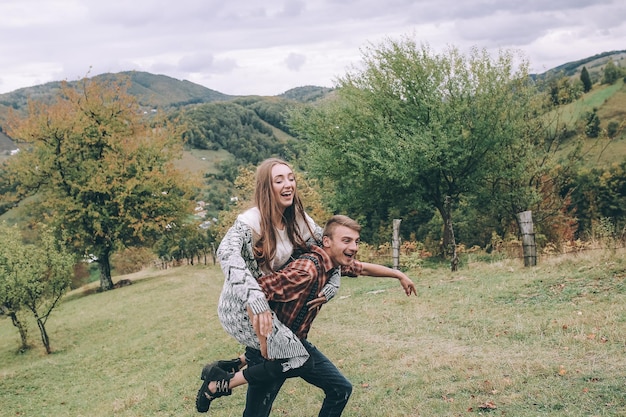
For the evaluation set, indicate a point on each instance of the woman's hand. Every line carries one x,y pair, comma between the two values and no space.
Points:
262,323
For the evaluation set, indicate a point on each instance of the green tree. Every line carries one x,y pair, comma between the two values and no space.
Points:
103,171
612,129
598,194
34,277
414,129
592,123
529,172
48,274
611,72
564,91
586,80
11,288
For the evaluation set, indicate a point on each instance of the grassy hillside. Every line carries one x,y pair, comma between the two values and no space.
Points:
493,339
594,64
610,102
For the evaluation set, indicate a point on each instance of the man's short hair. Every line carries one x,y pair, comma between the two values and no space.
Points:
340,220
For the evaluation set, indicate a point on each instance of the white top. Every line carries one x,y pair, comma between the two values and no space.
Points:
284,248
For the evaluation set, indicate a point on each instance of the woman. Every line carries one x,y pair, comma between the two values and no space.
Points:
261,241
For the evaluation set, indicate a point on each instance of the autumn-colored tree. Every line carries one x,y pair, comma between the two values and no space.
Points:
103,170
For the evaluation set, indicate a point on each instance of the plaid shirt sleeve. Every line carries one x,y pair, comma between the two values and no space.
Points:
289,283
353,270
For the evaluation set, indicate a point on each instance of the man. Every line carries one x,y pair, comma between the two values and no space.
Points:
293,294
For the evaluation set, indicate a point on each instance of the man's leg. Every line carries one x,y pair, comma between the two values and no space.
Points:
326,376
260,397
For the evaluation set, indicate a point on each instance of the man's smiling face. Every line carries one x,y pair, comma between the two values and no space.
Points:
342,246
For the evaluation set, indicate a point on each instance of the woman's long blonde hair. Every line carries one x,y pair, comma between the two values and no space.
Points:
265,247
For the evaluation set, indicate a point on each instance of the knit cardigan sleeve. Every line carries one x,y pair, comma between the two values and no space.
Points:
240,268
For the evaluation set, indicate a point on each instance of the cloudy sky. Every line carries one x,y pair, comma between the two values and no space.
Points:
266,47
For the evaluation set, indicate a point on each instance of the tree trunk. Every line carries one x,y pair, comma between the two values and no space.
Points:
106,283
21,327
449,241
44,335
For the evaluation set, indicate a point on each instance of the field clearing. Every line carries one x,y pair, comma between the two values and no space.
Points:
203,161
492,339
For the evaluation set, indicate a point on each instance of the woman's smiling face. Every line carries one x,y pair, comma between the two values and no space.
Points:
283,185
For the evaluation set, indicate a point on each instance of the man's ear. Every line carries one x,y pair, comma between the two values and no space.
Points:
326,241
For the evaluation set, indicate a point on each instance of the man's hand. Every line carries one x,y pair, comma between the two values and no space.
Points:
317,302
407,284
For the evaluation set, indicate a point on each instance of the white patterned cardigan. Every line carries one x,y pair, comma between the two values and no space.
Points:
241,289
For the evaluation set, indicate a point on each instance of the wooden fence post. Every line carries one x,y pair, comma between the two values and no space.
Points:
529,246
395,243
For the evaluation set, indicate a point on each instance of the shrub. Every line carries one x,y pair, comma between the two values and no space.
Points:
612,129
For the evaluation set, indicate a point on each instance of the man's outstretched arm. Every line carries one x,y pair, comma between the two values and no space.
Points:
375,270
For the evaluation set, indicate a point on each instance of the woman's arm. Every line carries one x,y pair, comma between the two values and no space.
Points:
334,281
237,262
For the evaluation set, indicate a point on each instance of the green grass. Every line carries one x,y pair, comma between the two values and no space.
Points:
543,341
610,100
203,161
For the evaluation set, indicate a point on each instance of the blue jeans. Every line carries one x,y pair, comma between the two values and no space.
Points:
323,374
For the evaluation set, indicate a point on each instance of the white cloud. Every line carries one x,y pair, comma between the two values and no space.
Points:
247,47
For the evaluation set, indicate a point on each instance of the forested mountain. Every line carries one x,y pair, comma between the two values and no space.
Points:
151,91
243,130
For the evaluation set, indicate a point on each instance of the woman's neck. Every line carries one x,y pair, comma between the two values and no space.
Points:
278,221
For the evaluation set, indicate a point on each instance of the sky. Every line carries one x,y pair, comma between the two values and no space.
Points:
252,47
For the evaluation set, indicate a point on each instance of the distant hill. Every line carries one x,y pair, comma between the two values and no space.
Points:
150,90
163,91
306,94
594,65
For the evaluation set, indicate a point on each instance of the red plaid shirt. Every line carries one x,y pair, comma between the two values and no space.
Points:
290,289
